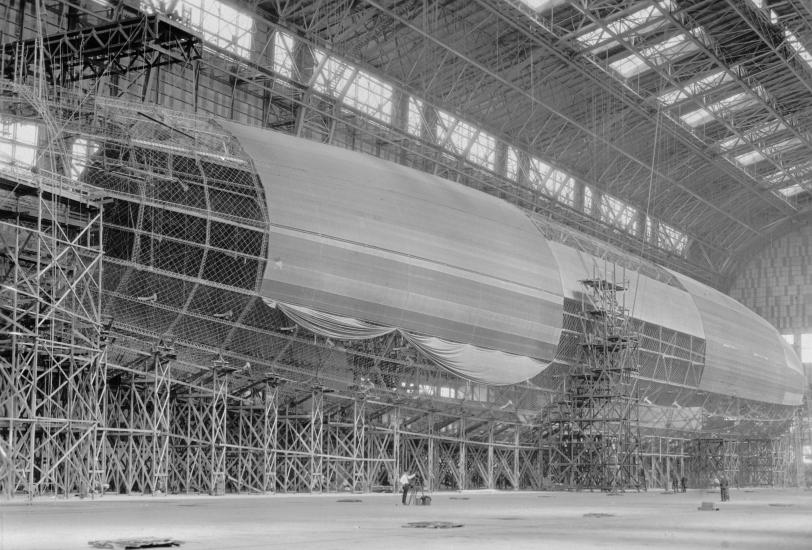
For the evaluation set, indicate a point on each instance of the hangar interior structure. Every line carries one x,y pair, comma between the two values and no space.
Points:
306,245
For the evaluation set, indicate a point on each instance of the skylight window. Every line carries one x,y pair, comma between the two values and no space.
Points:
749,158
697,87
639,22
664,52
757,133
736,102
756,156
541,5
798,47
791,191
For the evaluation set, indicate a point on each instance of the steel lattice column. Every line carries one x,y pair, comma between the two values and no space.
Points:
270,423
360,473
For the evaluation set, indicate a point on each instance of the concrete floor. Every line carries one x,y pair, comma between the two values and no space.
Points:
753,519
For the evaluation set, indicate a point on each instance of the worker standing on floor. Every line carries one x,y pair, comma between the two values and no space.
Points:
406,483
724,488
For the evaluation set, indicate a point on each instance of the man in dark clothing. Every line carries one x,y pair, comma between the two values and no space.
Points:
684,483
406,483
724,488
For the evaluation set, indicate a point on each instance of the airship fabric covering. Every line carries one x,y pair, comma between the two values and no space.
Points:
479,365
362,238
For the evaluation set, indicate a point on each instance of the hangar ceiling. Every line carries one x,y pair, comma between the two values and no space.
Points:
696,112
692,115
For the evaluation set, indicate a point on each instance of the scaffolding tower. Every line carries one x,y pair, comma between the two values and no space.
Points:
52,339
592,432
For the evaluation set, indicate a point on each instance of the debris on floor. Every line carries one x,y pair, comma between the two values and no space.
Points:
598,515
708,507
433,524
349,500
136,543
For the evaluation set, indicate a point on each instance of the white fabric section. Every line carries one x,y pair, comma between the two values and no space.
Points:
332,326
476,364
465,360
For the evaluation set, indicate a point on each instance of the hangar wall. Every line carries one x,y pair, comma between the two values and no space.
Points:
777,282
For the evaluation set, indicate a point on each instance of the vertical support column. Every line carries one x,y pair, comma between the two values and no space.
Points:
396,447
595,210
160,417
428,132
431,459
317,441
641,225
400,120
654,237
360,473
491,462
463,469
516,458
270,428
217,429
578,195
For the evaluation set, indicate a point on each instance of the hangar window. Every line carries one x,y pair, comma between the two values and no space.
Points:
806,348
588,202
789,338
370,95
416,121
219,23
483,150
619,214
333,76
81,151
353,87
18,143
283,63
669,238
466,140
512,164
538,173
561,187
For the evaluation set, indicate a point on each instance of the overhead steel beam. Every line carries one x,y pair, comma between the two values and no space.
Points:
563,116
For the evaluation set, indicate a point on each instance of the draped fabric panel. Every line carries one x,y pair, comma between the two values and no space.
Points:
470,362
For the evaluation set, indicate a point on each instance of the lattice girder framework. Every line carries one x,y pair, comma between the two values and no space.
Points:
132,45
52,348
